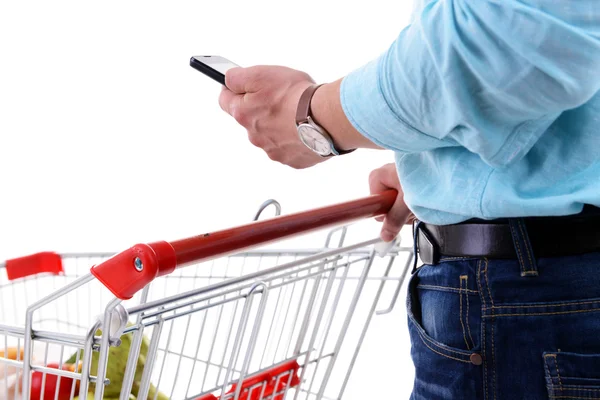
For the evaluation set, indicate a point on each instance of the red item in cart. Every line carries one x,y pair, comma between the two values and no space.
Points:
279,376
50,384
289,368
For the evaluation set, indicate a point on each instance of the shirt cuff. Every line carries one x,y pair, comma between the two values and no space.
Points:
369,112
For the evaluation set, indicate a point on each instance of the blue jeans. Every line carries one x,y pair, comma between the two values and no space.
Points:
487,329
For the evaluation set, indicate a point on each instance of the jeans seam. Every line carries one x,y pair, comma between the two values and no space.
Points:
526,246
447,288
521,263
462,353
460,301
480,287
424,336
551,388
550,304
487,283
540,314
423,339
469,323
557,370
530,273
468,312
483,341
574,394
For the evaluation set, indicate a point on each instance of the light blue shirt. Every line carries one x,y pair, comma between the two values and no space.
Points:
492,108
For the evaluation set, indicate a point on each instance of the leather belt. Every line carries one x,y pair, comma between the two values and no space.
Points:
549,236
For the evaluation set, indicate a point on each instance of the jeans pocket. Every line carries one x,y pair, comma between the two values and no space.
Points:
442,371
442,320
572,375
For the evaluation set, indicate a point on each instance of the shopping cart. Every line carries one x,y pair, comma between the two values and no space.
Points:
236,323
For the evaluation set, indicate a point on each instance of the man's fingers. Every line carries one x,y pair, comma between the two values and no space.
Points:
389,177
394,220
382,179
225,99
376,184
232,104
245,80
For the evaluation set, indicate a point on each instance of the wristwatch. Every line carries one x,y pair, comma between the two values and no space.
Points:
311,134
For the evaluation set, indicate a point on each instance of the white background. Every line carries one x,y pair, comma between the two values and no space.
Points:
108,137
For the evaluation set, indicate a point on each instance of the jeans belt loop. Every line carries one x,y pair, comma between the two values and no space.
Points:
523,247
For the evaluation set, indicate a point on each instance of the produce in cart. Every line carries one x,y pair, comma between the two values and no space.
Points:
11,353
49,383
117,363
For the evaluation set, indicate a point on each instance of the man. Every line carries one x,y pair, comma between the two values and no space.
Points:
493,110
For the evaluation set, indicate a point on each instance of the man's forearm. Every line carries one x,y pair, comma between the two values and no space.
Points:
327,111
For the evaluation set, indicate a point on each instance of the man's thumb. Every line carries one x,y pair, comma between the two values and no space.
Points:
235,80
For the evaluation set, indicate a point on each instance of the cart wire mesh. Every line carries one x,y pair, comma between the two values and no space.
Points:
260,324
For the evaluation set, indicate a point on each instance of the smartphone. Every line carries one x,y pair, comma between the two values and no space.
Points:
214,67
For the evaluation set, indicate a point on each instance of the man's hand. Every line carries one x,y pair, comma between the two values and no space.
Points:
263,99
380,180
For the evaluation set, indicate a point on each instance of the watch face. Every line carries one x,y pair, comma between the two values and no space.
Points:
314,140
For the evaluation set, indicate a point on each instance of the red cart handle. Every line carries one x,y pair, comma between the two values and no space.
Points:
131,270
44,262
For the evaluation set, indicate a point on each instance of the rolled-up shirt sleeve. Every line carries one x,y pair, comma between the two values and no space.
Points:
487,75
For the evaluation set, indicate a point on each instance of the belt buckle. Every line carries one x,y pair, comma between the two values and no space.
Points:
428,250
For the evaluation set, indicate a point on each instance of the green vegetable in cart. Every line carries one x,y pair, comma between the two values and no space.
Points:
117,363
90,396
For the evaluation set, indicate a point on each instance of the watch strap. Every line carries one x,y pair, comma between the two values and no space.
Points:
303,113
303,110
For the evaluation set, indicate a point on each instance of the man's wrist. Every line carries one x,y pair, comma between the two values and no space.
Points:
327,111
